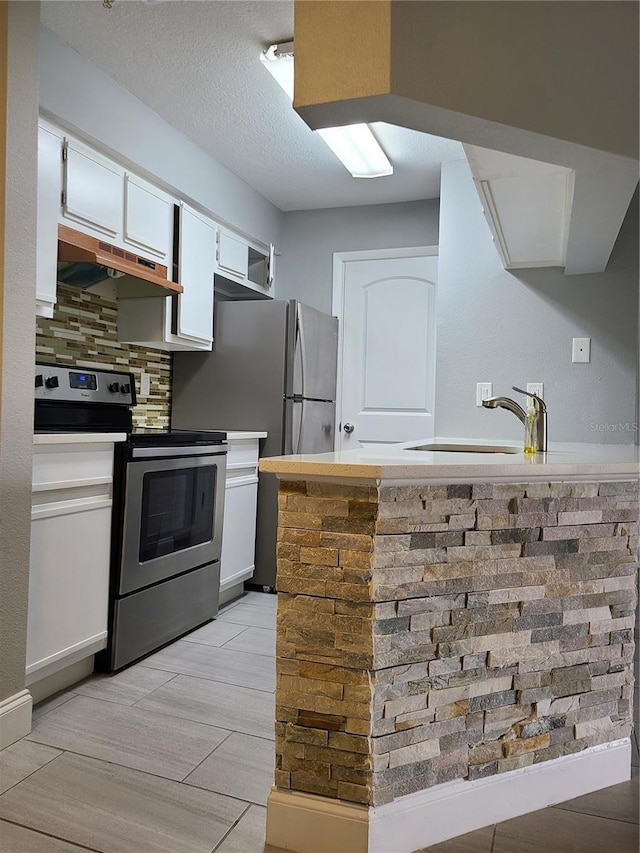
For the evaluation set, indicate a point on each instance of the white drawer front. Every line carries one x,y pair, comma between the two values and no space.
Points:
71,465
242,453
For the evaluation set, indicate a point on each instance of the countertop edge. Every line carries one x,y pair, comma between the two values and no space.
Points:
41,439
399,463
244,435
447,472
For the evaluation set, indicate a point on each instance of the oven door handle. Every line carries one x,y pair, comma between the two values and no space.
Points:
170,452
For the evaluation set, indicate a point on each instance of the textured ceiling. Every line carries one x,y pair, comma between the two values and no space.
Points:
196,63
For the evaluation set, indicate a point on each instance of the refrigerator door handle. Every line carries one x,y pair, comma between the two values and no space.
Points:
299,439
293,431
300,355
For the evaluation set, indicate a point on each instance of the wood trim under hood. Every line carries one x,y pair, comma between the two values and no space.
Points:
76,247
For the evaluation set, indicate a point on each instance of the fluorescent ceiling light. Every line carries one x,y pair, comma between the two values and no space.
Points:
358,149
354,145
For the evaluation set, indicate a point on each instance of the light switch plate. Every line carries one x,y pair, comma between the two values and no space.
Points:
145,384
581,350
484,390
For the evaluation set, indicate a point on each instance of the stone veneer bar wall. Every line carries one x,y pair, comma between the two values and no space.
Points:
83,331
440,632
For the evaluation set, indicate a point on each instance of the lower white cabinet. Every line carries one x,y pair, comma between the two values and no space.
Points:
70,544
239,530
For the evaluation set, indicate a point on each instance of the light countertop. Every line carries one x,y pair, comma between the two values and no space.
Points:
238,435
399,462
79,437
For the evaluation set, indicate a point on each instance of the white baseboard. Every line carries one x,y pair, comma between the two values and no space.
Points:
310,824
15,717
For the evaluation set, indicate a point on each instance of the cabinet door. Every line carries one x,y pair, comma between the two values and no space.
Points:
93,190
68,582
239,530
49,189
233,255
148,218
197,266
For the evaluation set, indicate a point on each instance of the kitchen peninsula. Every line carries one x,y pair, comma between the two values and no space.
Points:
454,639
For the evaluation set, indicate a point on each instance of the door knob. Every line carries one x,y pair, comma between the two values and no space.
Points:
348,428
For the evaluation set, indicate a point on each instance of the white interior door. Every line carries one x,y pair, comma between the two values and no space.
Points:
386,305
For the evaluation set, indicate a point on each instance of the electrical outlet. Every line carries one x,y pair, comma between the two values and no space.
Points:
581,350
536,388
484,390
145,384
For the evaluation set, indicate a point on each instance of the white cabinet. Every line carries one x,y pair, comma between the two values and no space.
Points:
233,256
93,191
183,322
49,193
70,544
197,266
245,263
148,219
239,530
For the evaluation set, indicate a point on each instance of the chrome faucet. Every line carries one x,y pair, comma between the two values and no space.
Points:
519,412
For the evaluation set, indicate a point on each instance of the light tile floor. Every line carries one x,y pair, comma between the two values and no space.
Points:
175,755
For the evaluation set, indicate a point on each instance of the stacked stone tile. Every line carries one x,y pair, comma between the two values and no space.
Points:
436,632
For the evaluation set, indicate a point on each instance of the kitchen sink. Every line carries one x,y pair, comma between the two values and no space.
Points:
467,448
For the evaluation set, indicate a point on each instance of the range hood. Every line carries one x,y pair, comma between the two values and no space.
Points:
86,261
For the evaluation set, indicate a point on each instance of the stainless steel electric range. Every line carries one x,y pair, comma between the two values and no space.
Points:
168,506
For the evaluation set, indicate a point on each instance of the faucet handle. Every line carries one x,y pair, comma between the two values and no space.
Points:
538,402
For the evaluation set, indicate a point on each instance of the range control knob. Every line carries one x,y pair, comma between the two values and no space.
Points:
52,382
126,388
114,387
39,380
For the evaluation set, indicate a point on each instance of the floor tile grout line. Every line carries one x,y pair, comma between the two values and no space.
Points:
562,808
151,692
198,642
50,835
231,828
215,681
137,770
24,778
200,763
493,837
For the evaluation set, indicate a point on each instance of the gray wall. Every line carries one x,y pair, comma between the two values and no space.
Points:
83,97
310,237
18,331
511,328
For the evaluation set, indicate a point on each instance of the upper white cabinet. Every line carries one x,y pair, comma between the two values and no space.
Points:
197,267
93,191
184,321
245,263
49,191
233,256
88,192
148,218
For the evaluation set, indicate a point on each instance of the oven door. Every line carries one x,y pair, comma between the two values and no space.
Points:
173,510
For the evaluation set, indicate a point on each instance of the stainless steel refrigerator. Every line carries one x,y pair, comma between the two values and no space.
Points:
273,368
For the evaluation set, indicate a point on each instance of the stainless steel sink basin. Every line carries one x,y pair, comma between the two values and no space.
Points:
467,448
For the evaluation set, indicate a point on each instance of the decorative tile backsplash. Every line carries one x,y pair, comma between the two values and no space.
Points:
83,331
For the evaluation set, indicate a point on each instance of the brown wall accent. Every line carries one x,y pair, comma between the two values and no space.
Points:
84,331
344,49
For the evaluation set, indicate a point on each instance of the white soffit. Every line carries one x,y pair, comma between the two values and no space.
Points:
527,205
